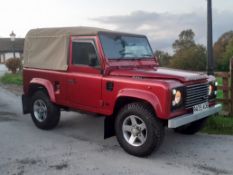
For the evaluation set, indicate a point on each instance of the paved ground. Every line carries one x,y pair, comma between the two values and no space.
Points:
77,146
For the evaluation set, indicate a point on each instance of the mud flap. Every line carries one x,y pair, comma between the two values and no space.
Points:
25,104
109,129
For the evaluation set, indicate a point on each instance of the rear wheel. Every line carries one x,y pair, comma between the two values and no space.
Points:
44,113
191,128
137,129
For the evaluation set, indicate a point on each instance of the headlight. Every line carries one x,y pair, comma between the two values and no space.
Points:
212,89
177,98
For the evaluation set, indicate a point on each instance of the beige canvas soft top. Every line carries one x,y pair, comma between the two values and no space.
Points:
47,48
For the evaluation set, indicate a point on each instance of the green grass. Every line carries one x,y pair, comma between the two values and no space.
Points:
12,79
220,93
219,79
219,125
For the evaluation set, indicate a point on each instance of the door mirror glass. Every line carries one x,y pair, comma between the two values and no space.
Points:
93,60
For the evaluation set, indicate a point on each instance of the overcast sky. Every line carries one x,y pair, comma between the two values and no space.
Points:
160,20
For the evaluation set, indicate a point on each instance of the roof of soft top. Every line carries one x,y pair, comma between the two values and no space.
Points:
48,48
61,31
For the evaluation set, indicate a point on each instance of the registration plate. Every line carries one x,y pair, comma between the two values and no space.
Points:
200,107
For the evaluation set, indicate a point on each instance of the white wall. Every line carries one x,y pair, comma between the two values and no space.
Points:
3,69
11,55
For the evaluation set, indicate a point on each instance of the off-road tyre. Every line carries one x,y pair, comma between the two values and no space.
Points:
52,115
155,129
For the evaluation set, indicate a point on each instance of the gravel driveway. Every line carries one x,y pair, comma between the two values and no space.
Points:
77,147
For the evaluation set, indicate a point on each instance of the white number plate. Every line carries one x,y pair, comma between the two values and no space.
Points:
200,107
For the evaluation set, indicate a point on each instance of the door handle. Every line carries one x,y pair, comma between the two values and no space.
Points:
71,81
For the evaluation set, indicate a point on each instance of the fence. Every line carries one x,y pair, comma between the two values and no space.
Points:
227,90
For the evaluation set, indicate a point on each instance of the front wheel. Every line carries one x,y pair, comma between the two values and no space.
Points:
45,114
138,131
191,128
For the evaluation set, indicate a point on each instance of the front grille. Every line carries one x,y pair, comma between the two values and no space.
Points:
196,94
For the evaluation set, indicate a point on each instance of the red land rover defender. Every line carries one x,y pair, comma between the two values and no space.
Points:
115,75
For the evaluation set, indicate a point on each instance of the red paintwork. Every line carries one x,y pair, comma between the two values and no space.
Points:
46,83
84,87
161,73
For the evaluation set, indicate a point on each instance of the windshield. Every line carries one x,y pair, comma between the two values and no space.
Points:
118,46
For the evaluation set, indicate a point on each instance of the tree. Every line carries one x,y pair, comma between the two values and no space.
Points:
186,40
228,54
187,54
163,57
193,58
222,51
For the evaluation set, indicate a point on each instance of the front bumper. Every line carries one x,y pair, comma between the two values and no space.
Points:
189,118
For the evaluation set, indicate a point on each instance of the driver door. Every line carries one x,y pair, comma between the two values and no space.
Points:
85,77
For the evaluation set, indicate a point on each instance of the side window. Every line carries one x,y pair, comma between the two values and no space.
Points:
84,53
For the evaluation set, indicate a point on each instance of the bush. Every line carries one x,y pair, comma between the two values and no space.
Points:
13,64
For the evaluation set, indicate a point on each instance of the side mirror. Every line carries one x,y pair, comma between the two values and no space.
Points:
93,61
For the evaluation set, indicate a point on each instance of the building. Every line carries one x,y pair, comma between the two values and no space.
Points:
8,48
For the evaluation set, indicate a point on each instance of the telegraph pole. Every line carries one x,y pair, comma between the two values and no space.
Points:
210,66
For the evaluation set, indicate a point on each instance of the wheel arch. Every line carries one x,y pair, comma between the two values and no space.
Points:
131,95
41,84
124,100
125,97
